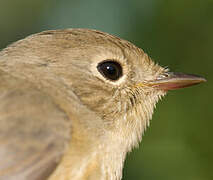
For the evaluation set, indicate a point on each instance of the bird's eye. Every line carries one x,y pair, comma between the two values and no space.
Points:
111,70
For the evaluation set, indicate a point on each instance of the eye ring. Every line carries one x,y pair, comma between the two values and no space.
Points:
110,69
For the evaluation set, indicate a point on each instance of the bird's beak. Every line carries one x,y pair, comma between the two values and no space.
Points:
171,80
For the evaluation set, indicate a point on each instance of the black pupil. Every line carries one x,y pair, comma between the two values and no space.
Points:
110,70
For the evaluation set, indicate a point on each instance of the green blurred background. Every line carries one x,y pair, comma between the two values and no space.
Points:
175,33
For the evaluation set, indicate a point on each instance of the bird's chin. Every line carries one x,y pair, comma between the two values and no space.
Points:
137,119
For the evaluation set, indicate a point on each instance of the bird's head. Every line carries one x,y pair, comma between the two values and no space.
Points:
111,77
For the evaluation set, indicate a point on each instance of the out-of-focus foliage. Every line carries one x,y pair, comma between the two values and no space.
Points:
177,34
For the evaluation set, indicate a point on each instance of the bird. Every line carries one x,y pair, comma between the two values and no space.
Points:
73,102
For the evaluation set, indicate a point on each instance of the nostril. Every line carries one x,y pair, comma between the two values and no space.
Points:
163,76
